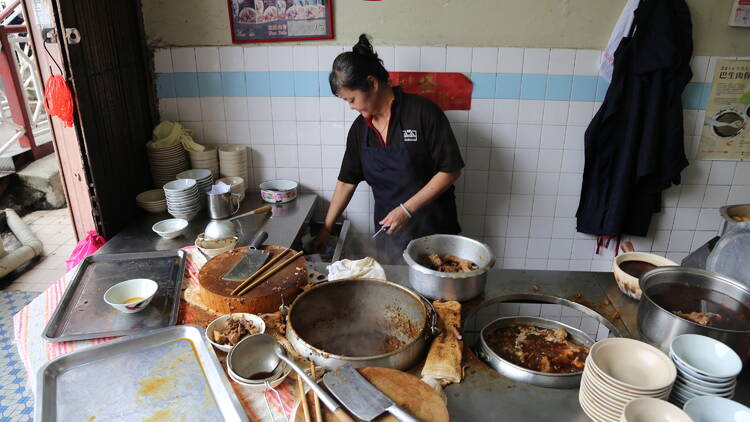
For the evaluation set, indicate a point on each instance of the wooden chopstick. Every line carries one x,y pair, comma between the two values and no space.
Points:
316,402
260,271
303,399
270,273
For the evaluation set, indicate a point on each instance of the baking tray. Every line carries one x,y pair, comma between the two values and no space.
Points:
169,374
83,314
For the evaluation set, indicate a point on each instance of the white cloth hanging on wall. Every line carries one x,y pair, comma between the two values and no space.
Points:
621,29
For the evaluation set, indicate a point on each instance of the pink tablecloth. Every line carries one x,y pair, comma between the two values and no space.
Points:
30,321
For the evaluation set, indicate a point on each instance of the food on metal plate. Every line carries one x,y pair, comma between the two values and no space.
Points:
449,264
235,330
538,349
702,318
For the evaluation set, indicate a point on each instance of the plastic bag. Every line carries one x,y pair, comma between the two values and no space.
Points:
84,248
57,99
169,133
363,268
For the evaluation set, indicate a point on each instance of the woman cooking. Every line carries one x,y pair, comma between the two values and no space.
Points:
402,145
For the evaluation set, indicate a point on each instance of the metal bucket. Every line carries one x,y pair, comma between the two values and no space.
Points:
347,322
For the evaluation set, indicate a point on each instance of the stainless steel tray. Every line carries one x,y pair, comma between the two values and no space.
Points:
166,374
83,314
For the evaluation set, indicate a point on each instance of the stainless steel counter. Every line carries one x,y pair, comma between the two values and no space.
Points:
282,227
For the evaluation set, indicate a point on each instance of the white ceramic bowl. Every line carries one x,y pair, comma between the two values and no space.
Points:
278,191
716,409
219,323
649,410
213,247
703,391
150,196
258,388
121,296
197,174
179,185
628,284
633,364
171,228
706,356
683,375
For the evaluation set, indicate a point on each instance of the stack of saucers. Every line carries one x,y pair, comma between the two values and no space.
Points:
705,367
236,184
619,370
206,159
183,198
202,177
233,161
166,162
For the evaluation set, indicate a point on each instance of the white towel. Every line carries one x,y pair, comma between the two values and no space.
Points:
621,29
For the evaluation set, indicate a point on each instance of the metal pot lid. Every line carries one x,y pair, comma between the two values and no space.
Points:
730,257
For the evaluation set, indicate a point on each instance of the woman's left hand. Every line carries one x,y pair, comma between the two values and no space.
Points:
397,219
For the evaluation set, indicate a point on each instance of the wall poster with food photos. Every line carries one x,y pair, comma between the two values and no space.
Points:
280,20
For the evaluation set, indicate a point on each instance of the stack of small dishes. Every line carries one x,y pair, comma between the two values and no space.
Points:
619,370
203,177
206,159
183,198
236,184
152,201
716,409
648,409
705,367
248,366
233,161
166,162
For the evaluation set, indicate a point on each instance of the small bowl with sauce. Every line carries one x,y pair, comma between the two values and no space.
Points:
251,366
131,296
630,266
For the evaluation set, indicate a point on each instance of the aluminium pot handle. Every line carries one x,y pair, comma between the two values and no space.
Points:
432,317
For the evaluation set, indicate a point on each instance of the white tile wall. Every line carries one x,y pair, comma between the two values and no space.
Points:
520,189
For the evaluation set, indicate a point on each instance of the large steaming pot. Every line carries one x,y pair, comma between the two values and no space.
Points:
354,321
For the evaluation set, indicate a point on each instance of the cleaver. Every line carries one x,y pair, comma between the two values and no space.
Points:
360,397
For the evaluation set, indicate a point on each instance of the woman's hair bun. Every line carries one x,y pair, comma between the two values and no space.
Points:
363,47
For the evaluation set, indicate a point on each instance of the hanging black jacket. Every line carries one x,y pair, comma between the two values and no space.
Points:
635,142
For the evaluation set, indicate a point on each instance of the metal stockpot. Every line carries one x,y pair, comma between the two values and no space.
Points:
659,326
449,286
528,376
728,224
351,312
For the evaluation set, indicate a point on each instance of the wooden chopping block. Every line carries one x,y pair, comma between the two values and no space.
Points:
216,293
404,389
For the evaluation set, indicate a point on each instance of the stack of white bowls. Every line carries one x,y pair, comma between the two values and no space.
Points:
619,370
152,201
705,367
206,159
202,177
183,198
236,184
166,162
233,161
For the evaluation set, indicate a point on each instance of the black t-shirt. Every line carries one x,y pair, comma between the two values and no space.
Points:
426,133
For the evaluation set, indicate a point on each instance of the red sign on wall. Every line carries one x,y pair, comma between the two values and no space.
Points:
450,91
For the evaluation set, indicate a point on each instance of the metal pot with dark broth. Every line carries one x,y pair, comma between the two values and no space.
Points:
679,300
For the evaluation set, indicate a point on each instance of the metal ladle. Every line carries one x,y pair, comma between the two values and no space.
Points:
272,351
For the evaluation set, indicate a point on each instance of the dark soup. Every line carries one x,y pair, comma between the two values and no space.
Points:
636,268
702,306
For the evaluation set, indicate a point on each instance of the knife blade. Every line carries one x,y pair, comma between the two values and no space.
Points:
360,397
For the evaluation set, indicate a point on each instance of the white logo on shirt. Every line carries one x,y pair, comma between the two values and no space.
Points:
410,135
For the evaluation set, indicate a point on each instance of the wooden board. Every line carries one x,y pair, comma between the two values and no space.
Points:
216,293
404,389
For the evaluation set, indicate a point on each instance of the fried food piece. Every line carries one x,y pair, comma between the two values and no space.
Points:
702,318
538,349
449,264
235,330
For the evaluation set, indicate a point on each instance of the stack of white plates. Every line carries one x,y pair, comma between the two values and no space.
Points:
705,367
152,201
183,198
206,159
233,161
203,178
619,370
236,184
166,162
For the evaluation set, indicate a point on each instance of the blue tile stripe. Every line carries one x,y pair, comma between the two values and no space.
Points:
314,84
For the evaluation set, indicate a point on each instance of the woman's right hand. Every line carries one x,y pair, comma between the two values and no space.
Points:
321,240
